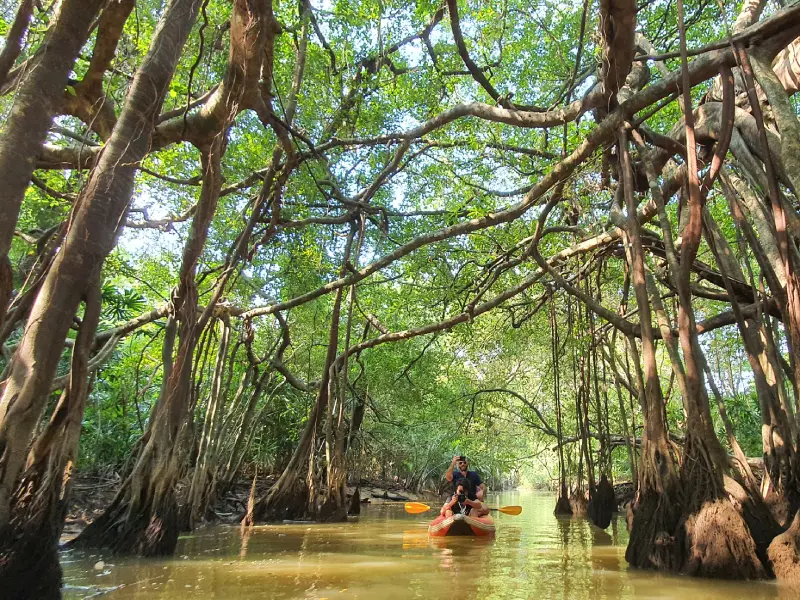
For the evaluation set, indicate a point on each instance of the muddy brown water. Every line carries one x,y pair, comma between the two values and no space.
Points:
386,554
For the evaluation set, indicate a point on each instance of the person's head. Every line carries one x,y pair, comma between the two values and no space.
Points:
462,464
463,486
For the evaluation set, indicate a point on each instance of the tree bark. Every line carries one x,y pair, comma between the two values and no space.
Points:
147,497
36,101
657,506
29,564
96,219
14,38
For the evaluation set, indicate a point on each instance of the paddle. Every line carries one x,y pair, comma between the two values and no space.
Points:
509,510
415,508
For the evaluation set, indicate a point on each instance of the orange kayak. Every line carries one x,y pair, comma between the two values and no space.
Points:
460,524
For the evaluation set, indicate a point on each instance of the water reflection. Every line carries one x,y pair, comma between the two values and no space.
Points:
387,554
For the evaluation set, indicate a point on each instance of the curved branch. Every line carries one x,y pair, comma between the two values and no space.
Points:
14,37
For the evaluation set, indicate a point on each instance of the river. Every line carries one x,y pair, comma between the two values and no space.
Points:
385,553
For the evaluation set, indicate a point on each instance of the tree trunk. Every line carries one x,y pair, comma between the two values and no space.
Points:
36,101
780,453
97,217
143,517
294,495
29,565
783,553
335,508
14,38
562,504
657,507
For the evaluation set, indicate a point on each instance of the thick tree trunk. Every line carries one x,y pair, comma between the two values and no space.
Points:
88,100
780,454
657,507
294,495
143,517
790,146
97,217
36,100
713,537
29,565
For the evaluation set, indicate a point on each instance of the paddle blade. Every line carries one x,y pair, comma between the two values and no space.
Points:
510,510
415,508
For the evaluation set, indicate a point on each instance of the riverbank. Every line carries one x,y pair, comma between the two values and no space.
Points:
91,494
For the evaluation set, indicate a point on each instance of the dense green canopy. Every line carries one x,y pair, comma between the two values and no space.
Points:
342,240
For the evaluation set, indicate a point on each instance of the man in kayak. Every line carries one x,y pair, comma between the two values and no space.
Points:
459,468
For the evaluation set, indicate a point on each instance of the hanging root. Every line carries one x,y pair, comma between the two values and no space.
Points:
784,553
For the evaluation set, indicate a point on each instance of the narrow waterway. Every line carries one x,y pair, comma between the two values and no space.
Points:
386,554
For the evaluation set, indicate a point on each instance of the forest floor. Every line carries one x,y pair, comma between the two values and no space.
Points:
91,494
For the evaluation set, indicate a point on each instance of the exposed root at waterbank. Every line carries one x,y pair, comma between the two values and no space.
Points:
563,506
784,553
578,503
652,537
757,516
143,518
656,511
709,526
602,504
716,542
29,566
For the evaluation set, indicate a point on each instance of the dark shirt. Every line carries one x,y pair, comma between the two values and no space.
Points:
474,479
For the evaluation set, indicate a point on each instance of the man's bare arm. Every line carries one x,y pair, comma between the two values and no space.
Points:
449,474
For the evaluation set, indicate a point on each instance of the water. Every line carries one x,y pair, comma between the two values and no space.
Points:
386,554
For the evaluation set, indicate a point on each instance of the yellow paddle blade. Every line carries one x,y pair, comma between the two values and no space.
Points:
415,508
510,510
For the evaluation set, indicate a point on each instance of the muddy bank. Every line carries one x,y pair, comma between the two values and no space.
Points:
91,494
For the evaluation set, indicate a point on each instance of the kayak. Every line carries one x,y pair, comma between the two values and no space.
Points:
460,524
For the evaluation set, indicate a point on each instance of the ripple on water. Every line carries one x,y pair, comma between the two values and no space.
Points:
387,554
